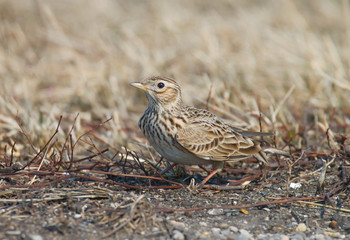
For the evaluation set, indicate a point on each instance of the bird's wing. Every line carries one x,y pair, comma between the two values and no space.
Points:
255,134
214,140
250,133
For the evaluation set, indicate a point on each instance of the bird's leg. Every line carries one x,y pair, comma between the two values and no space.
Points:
167,168
262,160
208,177
262,170
203,168
218,166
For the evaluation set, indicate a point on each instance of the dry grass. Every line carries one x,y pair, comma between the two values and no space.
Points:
288,60
64,58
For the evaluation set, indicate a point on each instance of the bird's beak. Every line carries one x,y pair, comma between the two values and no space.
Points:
139,85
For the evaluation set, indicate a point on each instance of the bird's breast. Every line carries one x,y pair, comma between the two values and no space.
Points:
158,128
160,131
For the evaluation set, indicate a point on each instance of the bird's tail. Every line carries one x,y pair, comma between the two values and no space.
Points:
261,156
276,151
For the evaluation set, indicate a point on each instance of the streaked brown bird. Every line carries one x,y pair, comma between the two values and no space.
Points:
189,135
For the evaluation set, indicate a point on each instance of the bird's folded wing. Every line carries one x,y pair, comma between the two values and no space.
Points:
215,141
251,133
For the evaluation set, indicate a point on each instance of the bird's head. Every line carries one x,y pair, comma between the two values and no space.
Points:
160,91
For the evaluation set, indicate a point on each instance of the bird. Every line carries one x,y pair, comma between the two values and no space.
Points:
192,136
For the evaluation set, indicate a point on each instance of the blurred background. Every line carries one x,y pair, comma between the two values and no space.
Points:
287,59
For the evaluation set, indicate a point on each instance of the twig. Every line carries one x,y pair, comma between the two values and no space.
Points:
40,185
104,142
279,107
42,161
41,150
69,133
71,151
11,159
209,96
326,206
89,157
91,143
91,130
281,201
322,176
136,176
290,167
23,132
127,186
137,160
243,180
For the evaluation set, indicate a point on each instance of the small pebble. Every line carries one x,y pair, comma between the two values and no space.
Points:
216,230
319,237
301,227
295,185
245,233
177,235
241,237
346,225
14,232
332,234
215,211
261,236
267,209
203,235
284,237
233,229
203,224
35,237
226,232
217,234
333,224
223,225
177,225
298,236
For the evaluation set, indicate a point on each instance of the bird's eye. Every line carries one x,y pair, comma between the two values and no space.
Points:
160,85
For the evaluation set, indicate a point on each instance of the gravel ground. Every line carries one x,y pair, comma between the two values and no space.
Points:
89,210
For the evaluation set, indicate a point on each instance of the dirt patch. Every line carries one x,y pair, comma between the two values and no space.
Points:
82,205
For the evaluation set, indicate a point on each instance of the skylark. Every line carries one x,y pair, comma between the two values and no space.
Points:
189,135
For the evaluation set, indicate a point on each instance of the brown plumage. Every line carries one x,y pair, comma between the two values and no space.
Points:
189,135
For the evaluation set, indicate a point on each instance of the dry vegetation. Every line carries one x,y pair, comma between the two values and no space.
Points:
68,115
